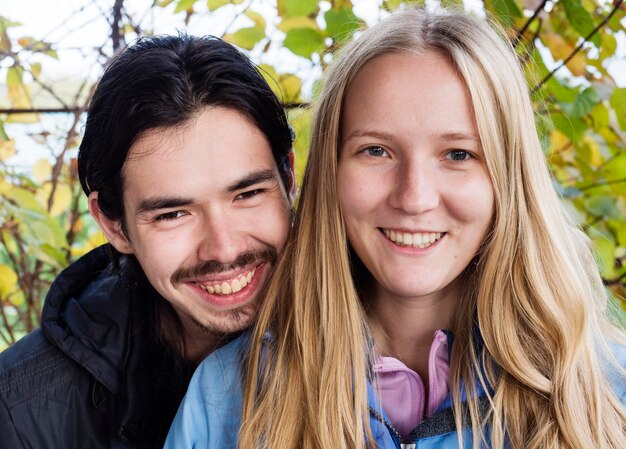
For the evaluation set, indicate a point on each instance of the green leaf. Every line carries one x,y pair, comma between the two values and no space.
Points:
600,116
573,128
246,37
453,3
392,5
341,24
3,134
602,207
295,8
304,41
216,4
605,256
609,45
618,228
39,229
184,5
24,199
618,101
51,255
505,10
616,169
583,103
580,19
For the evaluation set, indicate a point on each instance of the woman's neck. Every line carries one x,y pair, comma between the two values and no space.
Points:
404,328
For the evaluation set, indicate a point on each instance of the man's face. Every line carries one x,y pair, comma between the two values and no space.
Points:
206,215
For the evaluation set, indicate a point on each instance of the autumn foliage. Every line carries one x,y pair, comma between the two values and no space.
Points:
565,47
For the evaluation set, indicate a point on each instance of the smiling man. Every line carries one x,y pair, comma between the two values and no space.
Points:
186,161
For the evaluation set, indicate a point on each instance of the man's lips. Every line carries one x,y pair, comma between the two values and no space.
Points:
228,286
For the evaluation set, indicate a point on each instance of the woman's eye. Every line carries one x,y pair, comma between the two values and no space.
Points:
458,155
170,215
375,151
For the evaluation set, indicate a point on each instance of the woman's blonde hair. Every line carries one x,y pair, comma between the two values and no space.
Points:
530,327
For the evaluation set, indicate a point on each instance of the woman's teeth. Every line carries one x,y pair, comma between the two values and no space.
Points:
416,240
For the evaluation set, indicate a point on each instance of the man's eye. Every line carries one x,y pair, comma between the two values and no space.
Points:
458,155
376,151
249,194
170,215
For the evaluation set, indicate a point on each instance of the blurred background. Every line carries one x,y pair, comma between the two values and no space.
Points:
52,53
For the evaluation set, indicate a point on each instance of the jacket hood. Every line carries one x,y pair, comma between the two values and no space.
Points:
86,315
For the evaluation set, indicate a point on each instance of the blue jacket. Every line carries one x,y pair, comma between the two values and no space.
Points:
210,415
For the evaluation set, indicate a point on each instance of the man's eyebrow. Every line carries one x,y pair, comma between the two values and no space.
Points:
156,203
253,178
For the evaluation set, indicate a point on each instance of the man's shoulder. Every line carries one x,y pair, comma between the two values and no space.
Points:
31,367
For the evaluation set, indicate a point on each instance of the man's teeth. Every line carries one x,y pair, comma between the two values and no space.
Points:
417,240
229,287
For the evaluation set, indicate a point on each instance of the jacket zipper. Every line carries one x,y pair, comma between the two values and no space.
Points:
395,435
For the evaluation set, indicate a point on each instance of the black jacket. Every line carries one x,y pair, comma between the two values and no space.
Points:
96,374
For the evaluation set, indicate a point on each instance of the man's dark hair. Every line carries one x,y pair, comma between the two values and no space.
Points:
164,81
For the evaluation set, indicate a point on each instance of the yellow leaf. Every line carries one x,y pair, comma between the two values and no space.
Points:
5,187
271,77
258,19
42,170
561,50
577,65
290,86
16,90
8,280
17,298
62,198
300,120
297,22
595,154
95,240
35,69
7,149
22,118
558,46
215,4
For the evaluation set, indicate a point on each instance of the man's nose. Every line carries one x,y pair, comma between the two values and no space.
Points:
220,239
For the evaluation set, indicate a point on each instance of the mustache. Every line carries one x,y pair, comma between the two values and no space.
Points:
213,266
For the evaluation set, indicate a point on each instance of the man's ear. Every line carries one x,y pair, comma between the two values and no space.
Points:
292,188
112,229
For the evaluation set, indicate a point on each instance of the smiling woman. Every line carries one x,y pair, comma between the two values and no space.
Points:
434,292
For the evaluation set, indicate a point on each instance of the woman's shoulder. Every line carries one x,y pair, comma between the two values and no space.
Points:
210,413
617,374
222,368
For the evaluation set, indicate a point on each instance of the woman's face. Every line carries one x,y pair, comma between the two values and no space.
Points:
414,189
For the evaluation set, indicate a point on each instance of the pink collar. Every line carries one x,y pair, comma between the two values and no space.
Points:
402,391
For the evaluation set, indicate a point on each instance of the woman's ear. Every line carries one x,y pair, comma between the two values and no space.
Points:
112,229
